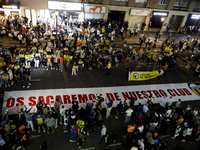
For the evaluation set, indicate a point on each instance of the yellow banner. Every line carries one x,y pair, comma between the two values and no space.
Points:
142,75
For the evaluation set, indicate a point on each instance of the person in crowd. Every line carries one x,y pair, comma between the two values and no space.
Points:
44,145
73,133
103,133
26,138
40,122
129,112
110,138
57,105
81,139
29,118
118,110
39,106
109,107
75,105
98,124
62,113
65,122
50,122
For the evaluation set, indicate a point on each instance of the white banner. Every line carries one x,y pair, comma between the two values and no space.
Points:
64,5
95,9
139,12
183,91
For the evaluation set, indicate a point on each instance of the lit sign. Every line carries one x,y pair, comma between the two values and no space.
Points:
64,5
160,14
195,17
9,7
140,1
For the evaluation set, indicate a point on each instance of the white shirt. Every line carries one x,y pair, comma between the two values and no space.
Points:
62,111
103,131
178,131
163,102
168,113
145,109
129,112
189,131
170,102
113,32
141,129
98,32
134,148
20,37
65,118
92,30
141,144
131,29
177,104
195,112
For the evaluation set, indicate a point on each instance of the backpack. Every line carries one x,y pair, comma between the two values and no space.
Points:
45,111
75,131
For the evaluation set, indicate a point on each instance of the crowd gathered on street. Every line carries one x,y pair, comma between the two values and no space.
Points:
144,125
77,45
90,44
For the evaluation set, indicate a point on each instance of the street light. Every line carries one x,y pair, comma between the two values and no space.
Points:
162,20
56,13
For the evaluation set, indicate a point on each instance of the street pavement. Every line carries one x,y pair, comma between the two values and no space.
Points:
52,79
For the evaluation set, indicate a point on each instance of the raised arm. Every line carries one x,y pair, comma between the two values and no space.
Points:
106,100
17,109
25,107
30,108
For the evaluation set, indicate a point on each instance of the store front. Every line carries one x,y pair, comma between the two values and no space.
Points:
158,18
116,16
94,12
66,12
137,18
9,10
193,20
175,22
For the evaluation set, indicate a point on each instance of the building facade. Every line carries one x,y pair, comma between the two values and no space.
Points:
154,13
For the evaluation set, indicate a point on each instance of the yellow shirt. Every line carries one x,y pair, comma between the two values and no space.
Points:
154,56
109,65
5,77
180,120
75,67
17,67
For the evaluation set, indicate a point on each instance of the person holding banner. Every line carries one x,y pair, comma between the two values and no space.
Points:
29,116
109,107
40,122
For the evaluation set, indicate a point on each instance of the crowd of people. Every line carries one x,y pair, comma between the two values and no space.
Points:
71,47
146,124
